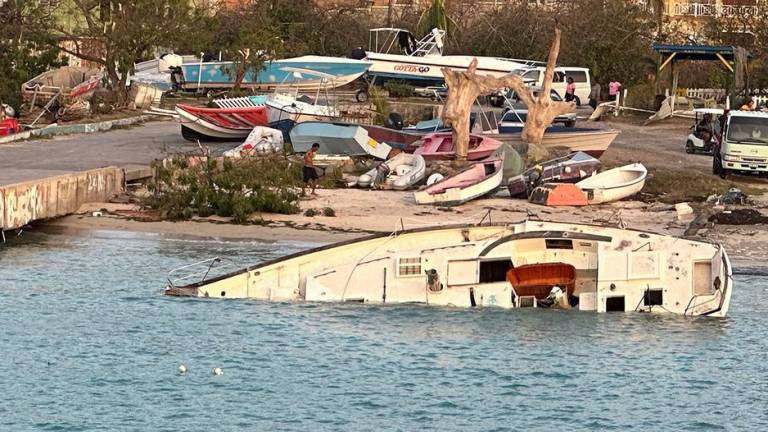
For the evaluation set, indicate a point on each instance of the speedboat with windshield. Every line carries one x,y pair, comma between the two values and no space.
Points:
395,54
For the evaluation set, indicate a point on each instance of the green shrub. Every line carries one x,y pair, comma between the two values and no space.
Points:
398,89
329,212
184,187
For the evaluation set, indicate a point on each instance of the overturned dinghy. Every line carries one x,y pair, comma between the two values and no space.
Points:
399,173
614,184
607,186
478,180
594,268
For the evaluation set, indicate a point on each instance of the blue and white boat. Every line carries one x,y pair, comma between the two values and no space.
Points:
277,73
199,75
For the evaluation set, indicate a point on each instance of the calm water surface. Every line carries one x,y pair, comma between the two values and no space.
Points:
87,342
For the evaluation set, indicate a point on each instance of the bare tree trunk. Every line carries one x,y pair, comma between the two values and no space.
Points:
390,6
465,87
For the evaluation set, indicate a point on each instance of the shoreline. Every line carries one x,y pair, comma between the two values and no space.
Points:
209,231
360,213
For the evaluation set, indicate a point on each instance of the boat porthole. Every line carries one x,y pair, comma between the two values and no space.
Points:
644,235
223,293
613,287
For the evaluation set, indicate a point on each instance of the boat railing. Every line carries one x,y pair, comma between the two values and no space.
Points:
693,308
199,271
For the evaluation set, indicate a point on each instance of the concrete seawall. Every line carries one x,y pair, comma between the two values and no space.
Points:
51,197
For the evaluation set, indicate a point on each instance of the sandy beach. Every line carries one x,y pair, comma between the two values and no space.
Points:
359,212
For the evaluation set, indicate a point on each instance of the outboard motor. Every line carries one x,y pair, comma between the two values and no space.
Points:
394,121
358,53
406,41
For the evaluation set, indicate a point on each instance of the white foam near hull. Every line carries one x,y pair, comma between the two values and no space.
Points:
465,266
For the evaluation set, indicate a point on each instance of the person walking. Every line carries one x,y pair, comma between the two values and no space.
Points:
614,87
570,90
594,95
309,170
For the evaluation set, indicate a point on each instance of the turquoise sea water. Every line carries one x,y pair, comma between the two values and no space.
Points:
87,342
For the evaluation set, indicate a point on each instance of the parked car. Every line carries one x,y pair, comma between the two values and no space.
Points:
581,77
512,103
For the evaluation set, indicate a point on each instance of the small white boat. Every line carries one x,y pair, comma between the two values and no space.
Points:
480,179
285,103
589,268
400,172
614,184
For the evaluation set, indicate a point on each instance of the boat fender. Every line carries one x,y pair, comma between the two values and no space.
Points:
435,178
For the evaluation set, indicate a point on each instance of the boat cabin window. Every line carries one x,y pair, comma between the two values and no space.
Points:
558,77
578,76
494,271
614,304
559,244
653,297
408,267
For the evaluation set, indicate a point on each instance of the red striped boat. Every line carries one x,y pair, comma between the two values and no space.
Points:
220,124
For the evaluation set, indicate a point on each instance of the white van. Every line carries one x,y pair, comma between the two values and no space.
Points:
744,145
581,78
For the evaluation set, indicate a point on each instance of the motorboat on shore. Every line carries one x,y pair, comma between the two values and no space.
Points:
396,55
440,146
219,124
566,169
592,268
285,102
481,178
337,139
594,142
401,172
196,74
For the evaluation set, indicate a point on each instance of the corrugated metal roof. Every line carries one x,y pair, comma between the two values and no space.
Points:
696,52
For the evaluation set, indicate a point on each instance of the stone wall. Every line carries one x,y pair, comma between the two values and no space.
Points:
51,197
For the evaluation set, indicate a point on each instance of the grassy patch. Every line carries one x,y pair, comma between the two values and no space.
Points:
672,187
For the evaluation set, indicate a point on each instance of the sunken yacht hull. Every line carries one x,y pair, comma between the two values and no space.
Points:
609,269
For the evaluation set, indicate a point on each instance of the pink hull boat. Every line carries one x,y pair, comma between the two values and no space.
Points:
439,146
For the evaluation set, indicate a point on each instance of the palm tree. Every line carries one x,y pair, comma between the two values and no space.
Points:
435,16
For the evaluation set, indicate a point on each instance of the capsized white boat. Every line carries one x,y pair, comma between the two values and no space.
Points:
614,184
592,268
480,179
337,139
400,172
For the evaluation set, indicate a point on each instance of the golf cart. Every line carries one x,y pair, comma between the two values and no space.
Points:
701,138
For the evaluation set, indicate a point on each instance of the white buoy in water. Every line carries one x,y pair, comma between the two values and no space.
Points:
182,369
218,371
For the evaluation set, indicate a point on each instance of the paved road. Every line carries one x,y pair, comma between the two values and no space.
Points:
138,146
